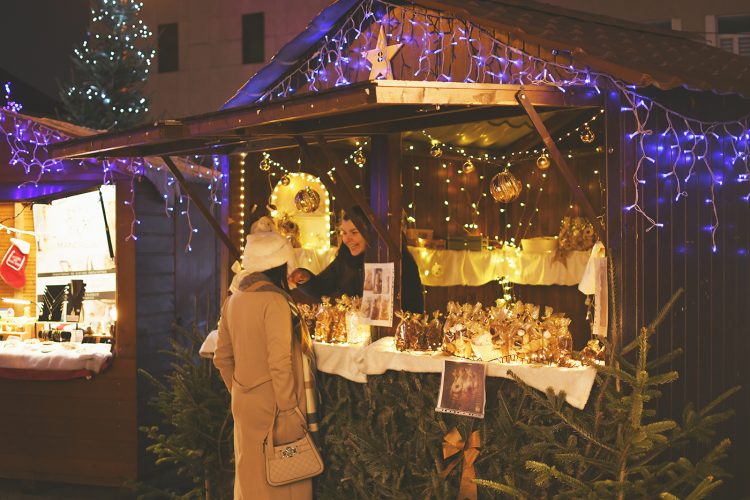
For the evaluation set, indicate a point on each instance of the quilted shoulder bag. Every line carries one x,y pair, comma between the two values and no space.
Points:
291,462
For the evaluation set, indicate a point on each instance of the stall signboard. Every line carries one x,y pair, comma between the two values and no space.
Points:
75,252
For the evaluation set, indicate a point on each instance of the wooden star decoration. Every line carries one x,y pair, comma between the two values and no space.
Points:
380,58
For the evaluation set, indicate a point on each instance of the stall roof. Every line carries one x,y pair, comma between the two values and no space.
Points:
373,107
636,54
28,129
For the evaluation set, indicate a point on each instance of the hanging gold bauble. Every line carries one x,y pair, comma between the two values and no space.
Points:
543,162
468,166
285,180
587,135
505,187
359,158
307,200
265,163
436,151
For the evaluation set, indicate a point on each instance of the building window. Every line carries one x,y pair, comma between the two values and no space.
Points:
733,34
168,48
253,38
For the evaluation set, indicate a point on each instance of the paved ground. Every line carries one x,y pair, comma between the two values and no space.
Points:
12,489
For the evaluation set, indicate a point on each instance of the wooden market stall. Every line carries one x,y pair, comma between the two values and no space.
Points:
79,424
664,184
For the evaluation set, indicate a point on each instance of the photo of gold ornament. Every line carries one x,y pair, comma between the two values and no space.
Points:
285,180
587,135
359,158
436,151
468,166
307,200
543,162
505,187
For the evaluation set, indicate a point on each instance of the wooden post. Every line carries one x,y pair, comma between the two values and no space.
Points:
559,160
614,157
385,199
223,263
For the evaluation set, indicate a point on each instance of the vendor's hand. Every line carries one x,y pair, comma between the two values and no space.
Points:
298,276
289,427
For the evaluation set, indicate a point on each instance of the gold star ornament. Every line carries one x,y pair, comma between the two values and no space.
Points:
380,58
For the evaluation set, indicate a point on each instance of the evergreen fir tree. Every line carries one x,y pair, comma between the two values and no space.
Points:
110,68
618,447
195,433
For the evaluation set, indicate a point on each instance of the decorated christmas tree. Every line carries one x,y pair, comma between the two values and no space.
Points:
110,68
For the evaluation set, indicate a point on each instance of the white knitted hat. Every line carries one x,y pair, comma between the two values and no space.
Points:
264,250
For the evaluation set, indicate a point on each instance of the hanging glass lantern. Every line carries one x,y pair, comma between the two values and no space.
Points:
359,158
468,166
587,135
436,151
307,200
543,162
505,187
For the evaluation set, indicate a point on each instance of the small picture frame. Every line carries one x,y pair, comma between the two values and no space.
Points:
462,388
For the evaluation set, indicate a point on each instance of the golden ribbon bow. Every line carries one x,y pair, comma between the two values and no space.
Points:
453,444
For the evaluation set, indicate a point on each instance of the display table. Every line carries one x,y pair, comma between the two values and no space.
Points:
52,360
475,268
355,362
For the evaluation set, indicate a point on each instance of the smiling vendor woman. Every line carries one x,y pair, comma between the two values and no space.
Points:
345,275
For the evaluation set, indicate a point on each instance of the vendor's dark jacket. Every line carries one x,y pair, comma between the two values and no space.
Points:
346,276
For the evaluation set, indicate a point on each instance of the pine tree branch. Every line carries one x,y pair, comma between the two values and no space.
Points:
502,488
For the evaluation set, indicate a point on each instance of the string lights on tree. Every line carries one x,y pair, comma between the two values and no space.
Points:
110,69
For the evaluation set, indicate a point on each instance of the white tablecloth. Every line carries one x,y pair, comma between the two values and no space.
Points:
382,355
356,361
54,355
469,268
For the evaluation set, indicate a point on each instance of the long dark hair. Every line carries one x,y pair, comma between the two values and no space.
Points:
277,275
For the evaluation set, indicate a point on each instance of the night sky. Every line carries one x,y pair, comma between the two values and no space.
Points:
37,39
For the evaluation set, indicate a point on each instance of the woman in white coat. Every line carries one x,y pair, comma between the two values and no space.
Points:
260,357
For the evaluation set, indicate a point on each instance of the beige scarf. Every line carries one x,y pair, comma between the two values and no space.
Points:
259,284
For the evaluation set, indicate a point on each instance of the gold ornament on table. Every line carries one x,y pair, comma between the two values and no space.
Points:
436,150
286,180
505,187
543,162
265,162
359,158
307,200
587,135
468,166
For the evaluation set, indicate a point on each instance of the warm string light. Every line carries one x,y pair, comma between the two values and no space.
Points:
242,200
486,160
